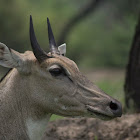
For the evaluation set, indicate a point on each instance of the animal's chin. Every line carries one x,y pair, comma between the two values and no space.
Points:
98,114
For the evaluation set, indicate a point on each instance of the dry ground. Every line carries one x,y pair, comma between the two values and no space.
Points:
125,128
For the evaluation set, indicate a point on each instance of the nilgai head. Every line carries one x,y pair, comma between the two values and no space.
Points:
56,84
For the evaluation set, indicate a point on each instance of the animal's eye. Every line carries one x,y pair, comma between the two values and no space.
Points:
56,71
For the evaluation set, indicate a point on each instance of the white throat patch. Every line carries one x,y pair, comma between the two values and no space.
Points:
36,128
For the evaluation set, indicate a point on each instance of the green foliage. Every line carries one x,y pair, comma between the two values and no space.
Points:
55,117
103,39
12,23
95,138
101,45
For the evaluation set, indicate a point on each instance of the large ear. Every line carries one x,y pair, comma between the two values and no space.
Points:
10,58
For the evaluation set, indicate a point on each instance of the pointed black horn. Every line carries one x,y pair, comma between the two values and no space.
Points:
53,47
38,52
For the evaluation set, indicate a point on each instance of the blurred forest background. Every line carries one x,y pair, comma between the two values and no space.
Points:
100,39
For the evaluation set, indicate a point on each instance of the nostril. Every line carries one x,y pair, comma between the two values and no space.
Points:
116,108
113,106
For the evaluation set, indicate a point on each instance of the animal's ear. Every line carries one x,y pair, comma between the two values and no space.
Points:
10,58
62,49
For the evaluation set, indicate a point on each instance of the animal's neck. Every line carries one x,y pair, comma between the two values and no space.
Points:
18,114
36,128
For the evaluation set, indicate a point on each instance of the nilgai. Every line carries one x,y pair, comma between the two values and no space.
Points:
41,84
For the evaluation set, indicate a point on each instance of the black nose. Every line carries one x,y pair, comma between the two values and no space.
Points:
116,108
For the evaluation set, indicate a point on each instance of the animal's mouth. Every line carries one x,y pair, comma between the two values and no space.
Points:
99,114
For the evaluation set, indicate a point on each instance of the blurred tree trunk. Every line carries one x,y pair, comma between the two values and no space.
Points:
84,11
132,82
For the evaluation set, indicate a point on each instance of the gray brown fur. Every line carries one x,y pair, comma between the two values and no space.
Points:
30,92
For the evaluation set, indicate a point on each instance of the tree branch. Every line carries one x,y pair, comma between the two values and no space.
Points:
84,11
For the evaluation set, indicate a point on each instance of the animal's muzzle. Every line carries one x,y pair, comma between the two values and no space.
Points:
116,108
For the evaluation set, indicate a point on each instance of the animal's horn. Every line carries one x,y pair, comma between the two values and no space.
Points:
53,47
38,52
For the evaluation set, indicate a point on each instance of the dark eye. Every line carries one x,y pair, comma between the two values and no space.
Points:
56,71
